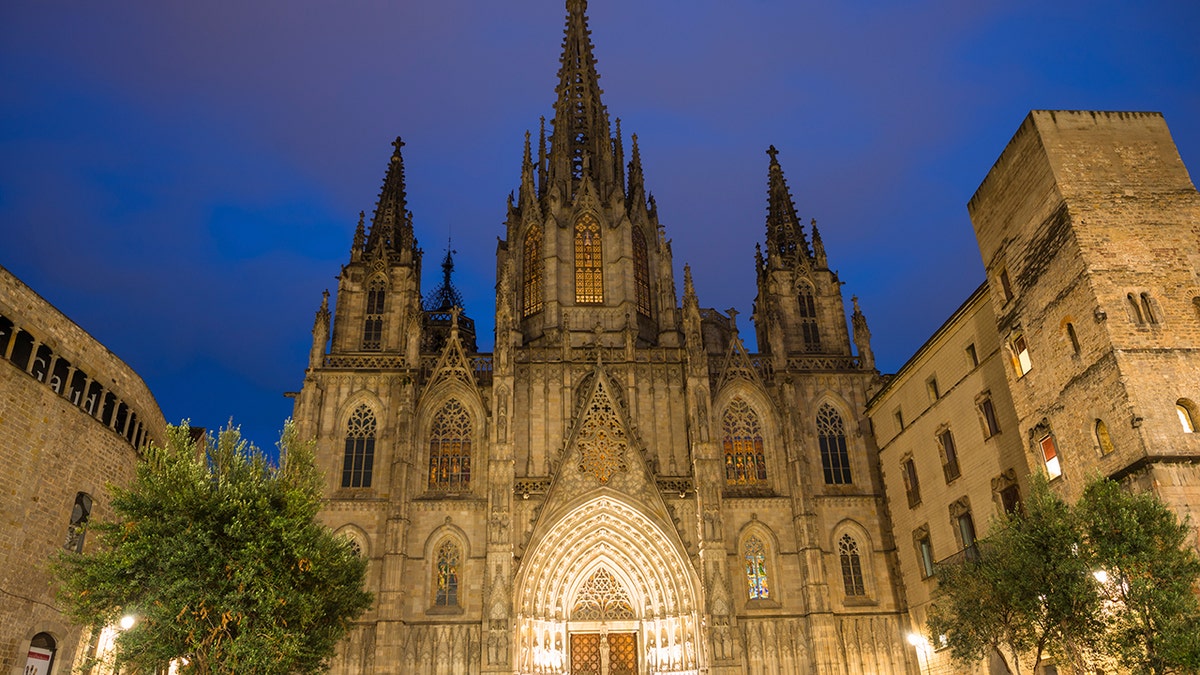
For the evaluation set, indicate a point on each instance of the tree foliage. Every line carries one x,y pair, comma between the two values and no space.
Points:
1029,591
1154,623
1111,579
218,556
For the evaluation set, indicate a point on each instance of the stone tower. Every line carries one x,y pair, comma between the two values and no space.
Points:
619,487
1089,226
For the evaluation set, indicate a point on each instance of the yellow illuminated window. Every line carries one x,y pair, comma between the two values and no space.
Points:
589,276
532,268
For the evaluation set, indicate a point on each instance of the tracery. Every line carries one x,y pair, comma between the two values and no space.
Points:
589,276
602,598
835,459
359,460
450,448
745,462
532,267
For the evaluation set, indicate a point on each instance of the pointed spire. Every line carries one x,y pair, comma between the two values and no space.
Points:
818,247
541,165
862,337
360,238
581,142
445,297
637,180
391,226
785,236
320,333
689,290
619,158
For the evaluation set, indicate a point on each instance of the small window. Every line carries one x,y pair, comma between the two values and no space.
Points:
852,576
966,535
373,319
912,486
1020,354
1187,415
931,386
949,455
1006,285
808,319
924,551
1010,499
756,568
1050,455
988,412
1102,438
446,575
972,355
1147,309
1135,311
80,514
899,417
1073,338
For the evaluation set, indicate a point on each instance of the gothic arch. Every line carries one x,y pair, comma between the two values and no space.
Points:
350,404
448,531
866,552
356,534
758,529
764,409
431,405
605,530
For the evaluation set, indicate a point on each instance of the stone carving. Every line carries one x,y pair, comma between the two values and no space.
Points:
601,440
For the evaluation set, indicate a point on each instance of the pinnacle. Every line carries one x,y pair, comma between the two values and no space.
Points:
390,226
785,235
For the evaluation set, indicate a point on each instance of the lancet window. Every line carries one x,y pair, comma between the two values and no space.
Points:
745,462
602,598
755,554
831,432
450,448
359,460
532,267
808,320
373,321
852,576
641,272
589,275
446,574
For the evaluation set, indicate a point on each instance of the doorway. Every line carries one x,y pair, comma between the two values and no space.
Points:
604,654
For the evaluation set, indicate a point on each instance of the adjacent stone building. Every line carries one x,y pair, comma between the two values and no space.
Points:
72,416
1084,341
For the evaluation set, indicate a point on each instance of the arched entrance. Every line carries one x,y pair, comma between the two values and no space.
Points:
606,591
40,658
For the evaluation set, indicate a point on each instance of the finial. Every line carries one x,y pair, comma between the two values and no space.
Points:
774,154
527,161
733,319
325,299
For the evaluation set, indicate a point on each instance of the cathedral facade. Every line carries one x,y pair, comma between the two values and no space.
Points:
619,487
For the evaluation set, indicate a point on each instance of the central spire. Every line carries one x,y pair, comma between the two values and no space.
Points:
581,144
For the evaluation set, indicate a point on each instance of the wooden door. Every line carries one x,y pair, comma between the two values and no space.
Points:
585,654
622,654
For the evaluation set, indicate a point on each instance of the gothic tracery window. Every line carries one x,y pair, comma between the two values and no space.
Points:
745,462
446,579
835,460
373,320
641,272
532,268
755,554
450,448
589,275
852,576
808,320
602,598
359,460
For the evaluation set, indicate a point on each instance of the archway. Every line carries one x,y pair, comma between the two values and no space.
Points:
651,606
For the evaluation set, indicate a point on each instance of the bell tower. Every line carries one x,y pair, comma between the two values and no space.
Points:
584,250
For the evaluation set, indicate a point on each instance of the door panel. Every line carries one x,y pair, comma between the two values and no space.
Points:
585,654
622,654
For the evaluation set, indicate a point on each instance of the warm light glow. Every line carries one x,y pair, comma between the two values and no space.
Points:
127,622
1101,576
918,641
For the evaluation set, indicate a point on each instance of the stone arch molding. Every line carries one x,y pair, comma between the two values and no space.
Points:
606,532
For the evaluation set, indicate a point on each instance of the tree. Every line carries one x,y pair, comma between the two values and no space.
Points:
1028,591
218,556
1148,581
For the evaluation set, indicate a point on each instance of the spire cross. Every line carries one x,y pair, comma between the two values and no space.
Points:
773,153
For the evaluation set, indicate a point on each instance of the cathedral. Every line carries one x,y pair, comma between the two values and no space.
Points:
620,487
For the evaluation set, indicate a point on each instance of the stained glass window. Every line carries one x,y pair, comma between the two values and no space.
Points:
808,320
446,594
745,463
641,271
373,322
831,432
756,568
532,266
589,276
602,598
852,576
360,448
450,448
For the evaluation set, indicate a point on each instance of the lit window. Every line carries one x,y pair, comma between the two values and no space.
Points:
1102,438
756,568
450,448
1020,354
373,321
641,272
912,487
446,591
532,268
852,576
949,455
745,462
359,460
831,435
1187,415
589,274
1050,454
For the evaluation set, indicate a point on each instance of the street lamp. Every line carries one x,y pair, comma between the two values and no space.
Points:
917,640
